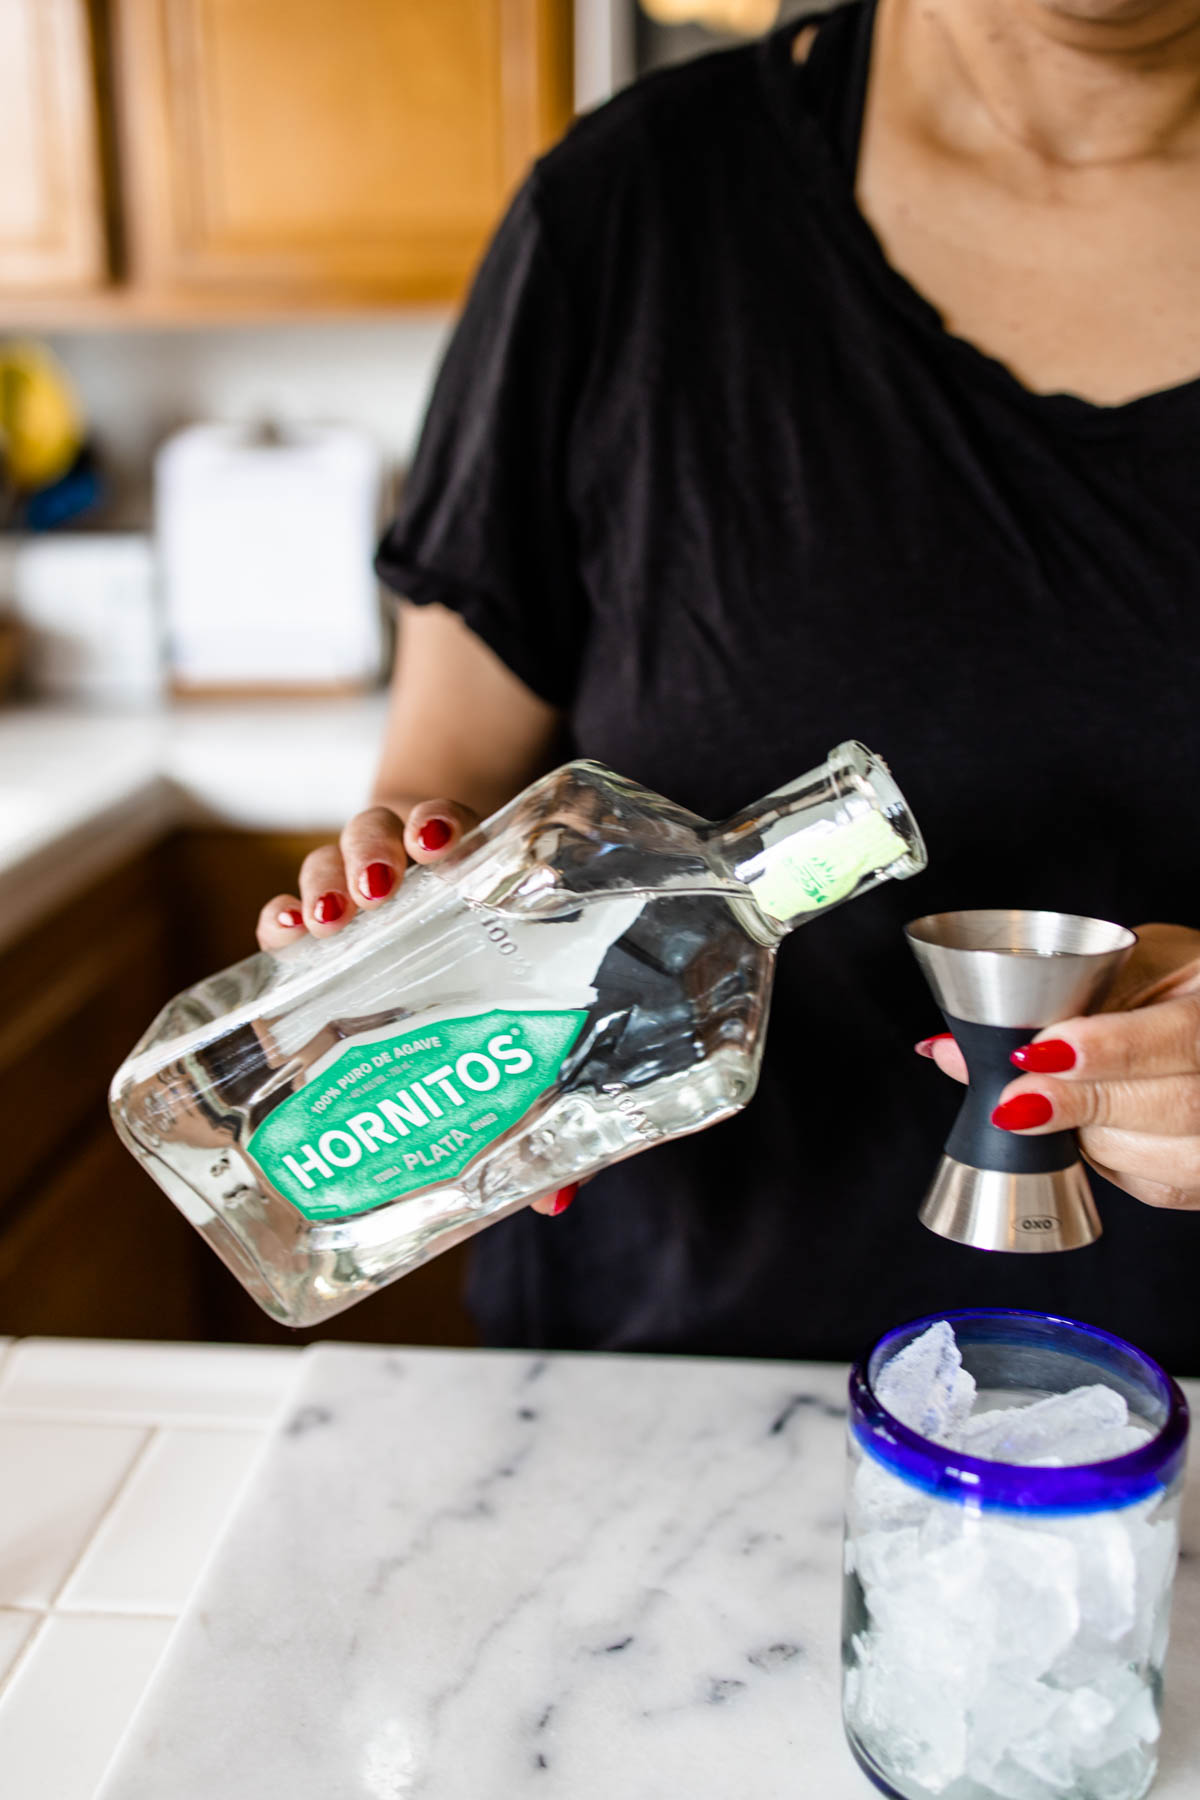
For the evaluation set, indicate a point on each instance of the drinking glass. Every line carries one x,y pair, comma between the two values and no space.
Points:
1005,1625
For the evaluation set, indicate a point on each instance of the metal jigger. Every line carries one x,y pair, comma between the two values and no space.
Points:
1000,977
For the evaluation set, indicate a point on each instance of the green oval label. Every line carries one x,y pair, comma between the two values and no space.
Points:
394,1114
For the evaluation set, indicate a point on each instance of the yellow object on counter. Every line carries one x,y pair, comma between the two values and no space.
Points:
41,422
746,18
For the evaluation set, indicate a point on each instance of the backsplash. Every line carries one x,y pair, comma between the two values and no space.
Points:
138,386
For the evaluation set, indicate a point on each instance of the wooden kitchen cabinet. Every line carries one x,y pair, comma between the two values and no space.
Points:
97,1253
89,1245
352,147
52,199
271,156
85,1250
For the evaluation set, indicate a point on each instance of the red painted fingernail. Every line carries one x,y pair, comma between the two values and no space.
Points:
1048,1058
563,1199
925,1047
289,918
435,834
377,880
1023,1112
329,908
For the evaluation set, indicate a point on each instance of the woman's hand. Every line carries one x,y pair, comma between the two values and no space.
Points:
361,870
1127,1078
458,718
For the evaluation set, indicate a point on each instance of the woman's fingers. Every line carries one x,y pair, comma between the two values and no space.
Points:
1165,1194
325,891
1164,962
362,869
1127,1080
943,1050
551,1205
1167,1107
435,827
373,855
281,922
1167,1161
1135,1071
1162,1039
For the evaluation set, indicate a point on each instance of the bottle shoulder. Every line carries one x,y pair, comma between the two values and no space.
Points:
580,830
591,788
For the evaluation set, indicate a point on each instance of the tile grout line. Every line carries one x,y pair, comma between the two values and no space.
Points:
23,1655
156,1421
113,1613
114,1500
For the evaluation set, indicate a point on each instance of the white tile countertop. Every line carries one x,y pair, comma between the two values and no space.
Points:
449,1575
119,1466
434,1575
81,790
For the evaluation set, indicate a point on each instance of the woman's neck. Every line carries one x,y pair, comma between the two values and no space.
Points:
1075,86
1033,173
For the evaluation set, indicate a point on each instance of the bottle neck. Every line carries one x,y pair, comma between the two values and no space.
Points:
829,836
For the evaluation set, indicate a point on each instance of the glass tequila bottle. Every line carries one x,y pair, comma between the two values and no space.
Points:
587,974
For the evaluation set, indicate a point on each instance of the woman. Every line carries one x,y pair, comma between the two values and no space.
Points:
845,384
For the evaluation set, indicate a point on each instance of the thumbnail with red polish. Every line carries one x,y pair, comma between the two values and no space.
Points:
1023,1112
1051,1057
434,834
563,1199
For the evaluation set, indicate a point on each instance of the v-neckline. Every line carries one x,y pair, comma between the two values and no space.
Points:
823,132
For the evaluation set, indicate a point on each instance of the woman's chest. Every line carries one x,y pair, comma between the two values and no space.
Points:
1079,281
833,540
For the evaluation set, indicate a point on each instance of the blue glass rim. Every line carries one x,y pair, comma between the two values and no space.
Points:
975,1481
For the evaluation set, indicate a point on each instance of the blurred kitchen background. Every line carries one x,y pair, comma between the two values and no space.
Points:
233,234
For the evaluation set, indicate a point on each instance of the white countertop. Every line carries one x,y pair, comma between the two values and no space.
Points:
448,1576
81,790
119,1466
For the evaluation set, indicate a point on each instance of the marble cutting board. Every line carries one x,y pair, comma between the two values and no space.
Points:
489,1576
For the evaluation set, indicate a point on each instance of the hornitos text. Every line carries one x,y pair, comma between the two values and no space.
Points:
413,1108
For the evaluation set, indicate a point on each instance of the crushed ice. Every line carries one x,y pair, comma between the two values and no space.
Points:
926,1387
996,1653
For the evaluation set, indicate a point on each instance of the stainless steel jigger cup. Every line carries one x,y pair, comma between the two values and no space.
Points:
1000,977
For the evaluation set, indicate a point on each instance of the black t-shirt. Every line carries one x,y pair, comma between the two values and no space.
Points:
708,473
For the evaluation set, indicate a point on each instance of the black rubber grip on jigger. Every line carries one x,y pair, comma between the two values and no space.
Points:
974,1140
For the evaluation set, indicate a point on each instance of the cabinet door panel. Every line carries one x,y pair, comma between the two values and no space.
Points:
78,991
345,147
99,1252
89,1246
51,201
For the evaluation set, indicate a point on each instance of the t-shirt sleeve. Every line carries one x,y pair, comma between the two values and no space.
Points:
484,526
